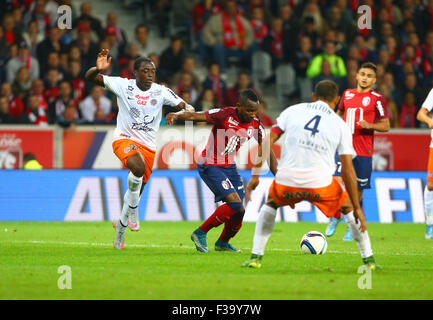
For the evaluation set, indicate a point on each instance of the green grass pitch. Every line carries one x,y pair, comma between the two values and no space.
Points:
160,262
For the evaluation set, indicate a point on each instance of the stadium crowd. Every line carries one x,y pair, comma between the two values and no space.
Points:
42,66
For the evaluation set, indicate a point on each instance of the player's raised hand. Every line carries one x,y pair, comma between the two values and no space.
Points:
103,62
252,185
170,118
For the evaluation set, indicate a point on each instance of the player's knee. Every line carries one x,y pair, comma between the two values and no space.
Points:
236,206
430,185
138,171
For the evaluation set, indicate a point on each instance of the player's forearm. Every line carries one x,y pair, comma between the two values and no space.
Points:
190,116
423,116
349,178
381,126
92,74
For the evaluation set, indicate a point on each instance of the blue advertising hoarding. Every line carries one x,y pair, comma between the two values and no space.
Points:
178,195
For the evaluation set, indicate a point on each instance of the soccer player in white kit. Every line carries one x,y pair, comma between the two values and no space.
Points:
423,115
140,104
305,171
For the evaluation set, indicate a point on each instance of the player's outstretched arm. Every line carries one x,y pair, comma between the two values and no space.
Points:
103,62
422,116
185,116
349,178
264,152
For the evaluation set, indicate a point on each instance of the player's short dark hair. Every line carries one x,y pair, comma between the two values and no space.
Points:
326,90
248,94
368,65
139,61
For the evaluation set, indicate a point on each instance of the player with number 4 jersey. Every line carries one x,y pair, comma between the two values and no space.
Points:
313,134
363,111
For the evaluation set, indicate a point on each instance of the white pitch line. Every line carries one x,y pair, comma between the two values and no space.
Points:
102,244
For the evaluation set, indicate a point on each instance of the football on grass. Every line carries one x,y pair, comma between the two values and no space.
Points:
313,242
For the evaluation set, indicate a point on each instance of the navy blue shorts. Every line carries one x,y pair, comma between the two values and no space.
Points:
363,168
222,180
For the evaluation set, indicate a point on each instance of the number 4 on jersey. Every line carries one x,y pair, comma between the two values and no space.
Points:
312,125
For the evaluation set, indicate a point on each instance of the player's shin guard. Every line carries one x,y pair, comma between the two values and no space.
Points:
362,239
428,206
232,226
264,227
132,196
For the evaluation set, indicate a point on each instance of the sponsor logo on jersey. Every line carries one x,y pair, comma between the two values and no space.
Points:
134,112
349,95
127,149
233,122
153,102
225,185
366,101
155,93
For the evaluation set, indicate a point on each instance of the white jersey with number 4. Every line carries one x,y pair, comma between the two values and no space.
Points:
313,134
140,111
428,104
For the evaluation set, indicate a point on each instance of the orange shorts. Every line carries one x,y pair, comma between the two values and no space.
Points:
125,148
430,166
328,199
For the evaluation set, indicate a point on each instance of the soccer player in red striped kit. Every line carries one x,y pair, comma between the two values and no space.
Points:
363,111
232,126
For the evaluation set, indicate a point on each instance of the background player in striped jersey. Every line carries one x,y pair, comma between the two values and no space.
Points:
424,116
232,126
362,110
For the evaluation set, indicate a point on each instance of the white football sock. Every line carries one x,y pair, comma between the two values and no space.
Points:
264,226
362,239
132,196
428,206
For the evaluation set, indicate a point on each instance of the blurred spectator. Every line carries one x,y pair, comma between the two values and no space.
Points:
64,99
86,18
69,118
312,10
38,89
131,52
206,101
389,106
77,79
259,26
141,37
229,35
290,28
349,82
338,69
261,114
88,48
11,33
50,44
391,45
37,13
215,82
22,83
186,96
273,42
128,70
188,65
53,62
155,59
96,106
302,57
364,53
231,96
120,33
162,16
411,85
408,111
16,105
171,59
394,13
388,81
201,12
5,117
325,74
308,30
186,84
30,162
33,37
22,59
386,31
115,46
35,113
